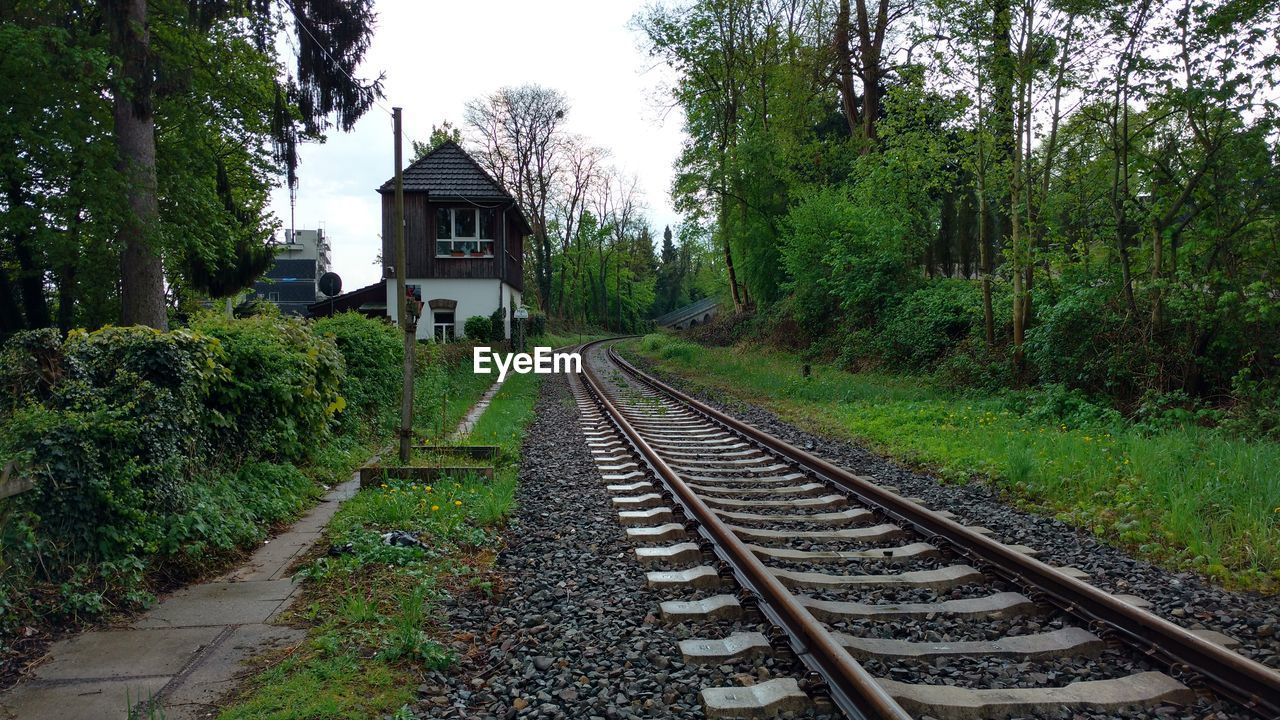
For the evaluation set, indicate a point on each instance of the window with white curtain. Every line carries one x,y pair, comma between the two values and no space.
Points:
466,232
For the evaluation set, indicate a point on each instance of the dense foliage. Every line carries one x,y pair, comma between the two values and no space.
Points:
478,328
164,452
1008,192
372,354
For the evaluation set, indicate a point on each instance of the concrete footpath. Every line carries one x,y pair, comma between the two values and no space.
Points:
186,651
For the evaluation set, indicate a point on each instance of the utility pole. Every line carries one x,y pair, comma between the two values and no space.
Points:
406,396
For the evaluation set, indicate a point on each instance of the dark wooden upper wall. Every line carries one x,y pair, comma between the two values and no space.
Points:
507,264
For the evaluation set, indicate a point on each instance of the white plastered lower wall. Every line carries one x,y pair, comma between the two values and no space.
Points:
473,297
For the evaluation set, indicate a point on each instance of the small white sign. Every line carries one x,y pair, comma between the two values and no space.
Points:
522,313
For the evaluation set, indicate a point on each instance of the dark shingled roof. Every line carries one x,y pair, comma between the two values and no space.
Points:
449,173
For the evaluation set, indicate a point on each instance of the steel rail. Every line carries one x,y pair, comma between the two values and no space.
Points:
852,688
1227,673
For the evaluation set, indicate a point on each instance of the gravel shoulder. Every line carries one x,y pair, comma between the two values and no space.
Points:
1184,598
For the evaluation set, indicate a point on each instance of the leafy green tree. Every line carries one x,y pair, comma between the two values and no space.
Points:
440,134
150,134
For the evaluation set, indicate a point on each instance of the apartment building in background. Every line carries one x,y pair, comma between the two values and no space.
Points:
291,283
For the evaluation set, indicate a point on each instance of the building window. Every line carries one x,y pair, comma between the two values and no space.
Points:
442,325
462,232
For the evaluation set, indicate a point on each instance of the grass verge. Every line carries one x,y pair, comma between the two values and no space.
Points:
1188,498
445,388
372,608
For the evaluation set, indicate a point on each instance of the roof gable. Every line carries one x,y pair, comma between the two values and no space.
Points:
448,172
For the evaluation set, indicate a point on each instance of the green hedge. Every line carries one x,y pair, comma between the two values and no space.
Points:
163,452
373,353
282,388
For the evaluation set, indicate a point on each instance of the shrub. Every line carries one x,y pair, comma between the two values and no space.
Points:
536,325
854,247
928,323
478,328
121,434
372,353
134,440
975,364
1256,412
1084,341
234,509
497,325
30,362
283,388
1055,404
669,347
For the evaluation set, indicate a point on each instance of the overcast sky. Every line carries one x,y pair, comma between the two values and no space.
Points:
437,56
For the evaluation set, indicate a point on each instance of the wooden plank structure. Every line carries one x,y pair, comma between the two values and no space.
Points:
373,475
475,452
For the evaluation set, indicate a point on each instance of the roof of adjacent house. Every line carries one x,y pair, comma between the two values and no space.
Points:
448,172
373,296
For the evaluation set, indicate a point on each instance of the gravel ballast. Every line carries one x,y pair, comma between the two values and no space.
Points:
572,630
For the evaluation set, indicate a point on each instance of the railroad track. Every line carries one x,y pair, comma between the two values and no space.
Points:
897,610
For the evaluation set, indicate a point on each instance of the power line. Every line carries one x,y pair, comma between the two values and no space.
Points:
302,24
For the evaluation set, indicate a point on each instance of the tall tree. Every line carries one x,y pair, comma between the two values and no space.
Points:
331,36
521,143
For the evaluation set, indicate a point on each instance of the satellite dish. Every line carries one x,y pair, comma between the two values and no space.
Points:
330,284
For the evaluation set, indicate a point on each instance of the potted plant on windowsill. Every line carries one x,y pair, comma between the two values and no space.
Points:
457,253
477,253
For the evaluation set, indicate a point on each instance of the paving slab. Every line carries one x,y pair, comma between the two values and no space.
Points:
220,603
90,700
184,653
268,562
216,675
105,654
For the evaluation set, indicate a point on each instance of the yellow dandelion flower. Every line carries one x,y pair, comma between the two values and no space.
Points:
435,508
428,487
458,503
